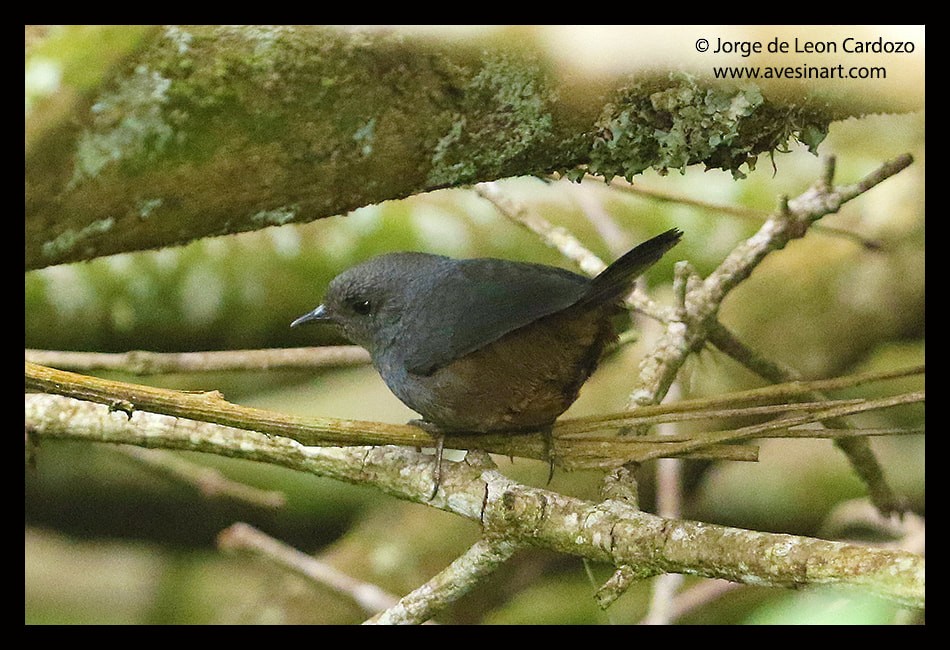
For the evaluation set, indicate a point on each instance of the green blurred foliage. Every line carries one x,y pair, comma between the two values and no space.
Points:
824,607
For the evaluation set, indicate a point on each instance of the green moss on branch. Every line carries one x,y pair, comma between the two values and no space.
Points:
211,130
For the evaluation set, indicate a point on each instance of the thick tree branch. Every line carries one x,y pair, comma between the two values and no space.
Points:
209,130
574,447
610,531
313,431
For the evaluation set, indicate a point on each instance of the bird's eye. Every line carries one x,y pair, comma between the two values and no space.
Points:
362,307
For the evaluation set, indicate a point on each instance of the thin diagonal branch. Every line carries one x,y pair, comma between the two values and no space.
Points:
244,537
701,301
208,480
731,210
858,450
453,582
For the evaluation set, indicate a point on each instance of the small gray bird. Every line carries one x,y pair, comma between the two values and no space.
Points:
478,345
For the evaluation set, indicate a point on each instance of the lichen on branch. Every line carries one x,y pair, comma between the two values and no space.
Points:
675,122
208,130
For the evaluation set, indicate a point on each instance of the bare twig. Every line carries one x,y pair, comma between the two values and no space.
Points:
669,502
456,580
731,210
612,233
698,595
662,598
244,537
756,430
582,427
209,481
140,362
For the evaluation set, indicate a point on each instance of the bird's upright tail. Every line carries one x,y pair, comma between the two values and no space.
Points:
617,280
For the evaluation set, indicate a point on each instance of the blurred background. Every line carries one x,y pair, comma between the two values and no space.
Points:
111,539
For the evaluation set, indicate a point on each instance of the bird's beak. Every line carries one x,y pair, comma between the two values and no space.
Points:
318,314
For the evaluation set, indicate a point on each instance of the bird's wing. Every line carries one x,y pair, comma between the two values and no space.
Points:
476,302
616,281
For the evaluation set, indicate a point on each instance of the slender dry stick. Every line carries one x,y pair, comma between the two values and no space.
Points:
140,362
857,449
244,537
209,481
732,210
755,430
699,595
733,404
582,427
611,233
669,197
212,407
554,236
610,531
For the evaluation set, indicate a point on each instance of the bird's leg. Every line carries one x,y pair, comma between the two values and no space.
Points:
547,434
434,431
437,472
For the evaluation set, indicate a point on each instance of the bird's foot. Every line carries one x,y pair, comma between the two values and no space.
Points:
434,431
548,436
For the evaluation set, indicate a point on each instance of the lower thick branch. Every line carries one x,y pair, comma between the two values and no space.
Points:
610,531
